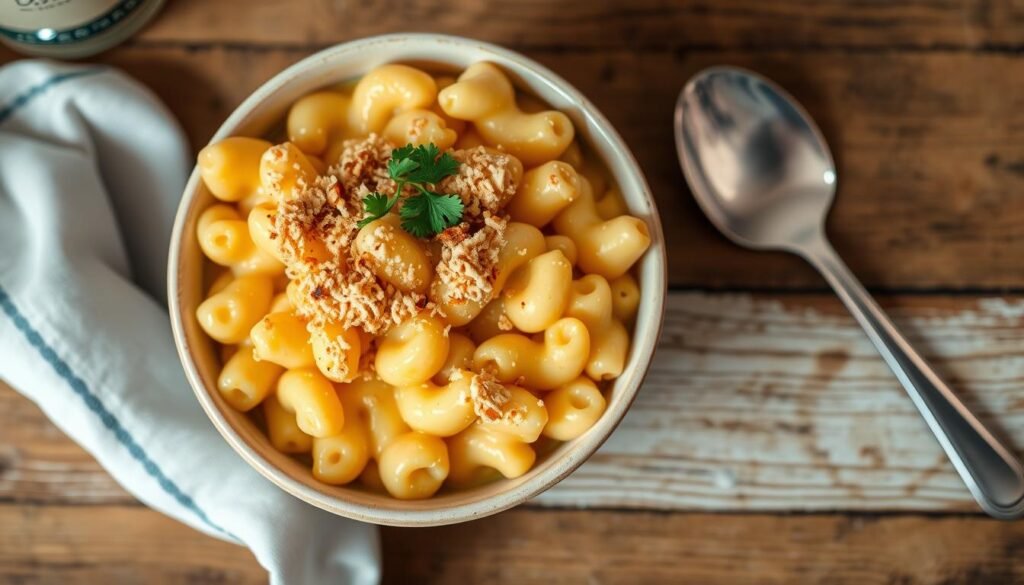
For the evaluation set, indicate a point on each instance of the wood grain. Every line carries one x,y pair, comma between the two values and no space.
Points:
86,545
79,545
615,548
930,160
753,403
603,24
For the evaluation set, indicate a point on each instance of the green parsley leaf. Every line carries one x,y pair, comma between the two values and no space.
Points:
377,206
431,165
426,214
398,169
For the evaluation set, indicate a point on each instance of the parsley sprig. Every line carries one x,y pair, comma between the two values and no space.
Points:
427,212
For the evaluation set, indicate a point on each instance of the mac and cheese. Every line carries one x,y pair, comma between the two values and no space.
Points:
427,277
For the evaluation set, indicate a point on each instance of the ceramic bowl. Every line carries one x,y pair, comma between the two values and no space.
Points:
261,115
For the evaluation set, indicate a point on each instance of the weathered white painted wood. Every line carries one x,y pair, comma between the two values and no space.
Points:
754,403
762,404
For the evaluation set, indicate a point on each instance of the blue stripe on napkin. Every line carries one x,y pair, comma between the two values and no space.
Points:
7,110
97,407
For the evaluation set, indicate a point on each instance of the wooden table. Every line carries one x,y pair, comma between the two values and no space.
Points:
770,443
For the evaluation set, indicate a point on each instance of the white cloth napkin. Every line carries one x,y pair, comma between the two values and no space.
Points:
91,170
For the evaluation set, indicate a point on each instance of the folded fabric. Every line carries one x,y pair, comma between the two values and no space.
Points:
91,170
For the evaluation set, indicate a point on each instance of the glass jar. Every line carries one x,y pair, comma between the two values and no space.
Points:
71,29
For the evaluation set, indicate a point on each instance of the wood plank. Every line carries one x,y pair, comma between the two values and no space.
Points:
602,24
929,159
782,404
74,545
753,403
562,548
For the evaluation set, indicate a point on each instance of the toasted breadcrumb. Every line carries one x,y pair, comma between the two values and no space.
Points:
319,212
504,323
364,163
316,225
485,181
489,396
469,262
349,293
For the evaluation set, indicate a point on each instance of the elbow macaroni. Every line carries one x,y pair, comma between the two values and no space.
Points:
484,96
386,90
282,429
373,402
558,358
313,400
438,410
341,458
228,315
606,247
394,408
245,382
336,351
537,294
284,170
573,409
282,338
460,357
563,244
414,466
412,352
477,447
625,297
318,120
591,302
489,323
231,168
543,192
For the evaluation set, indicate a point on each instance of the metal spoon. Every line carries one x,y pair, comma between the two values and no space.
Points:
761,171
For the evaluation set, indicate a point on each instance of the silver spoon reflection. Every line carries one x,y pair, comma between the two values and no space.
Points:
763,174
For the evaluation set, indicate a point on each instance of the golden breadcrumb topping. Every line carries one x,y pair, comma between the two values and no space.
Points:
316,224
490,397
486,180
468,262
349,293
504,323
364,163
318,214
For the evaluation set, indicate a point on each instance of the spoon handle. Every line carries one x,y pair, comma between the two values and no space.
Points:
994,476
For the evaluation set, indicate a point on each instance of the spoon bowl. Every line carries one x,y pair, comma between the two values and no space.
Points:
759,167
762,172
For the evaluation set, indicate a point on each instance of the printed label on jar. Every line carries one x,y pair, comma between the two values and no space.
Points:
57,22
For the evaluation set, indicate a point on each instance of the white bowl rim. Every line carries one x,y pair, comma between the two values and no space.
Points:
559,468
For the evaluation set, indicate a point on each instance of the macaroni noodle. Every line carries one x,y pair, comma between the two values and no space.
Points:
606,247
312,399
572,409
414,466
544,365
484,96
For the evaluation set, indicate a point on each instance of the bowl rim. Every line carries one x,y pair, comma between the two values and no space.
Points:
560,467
